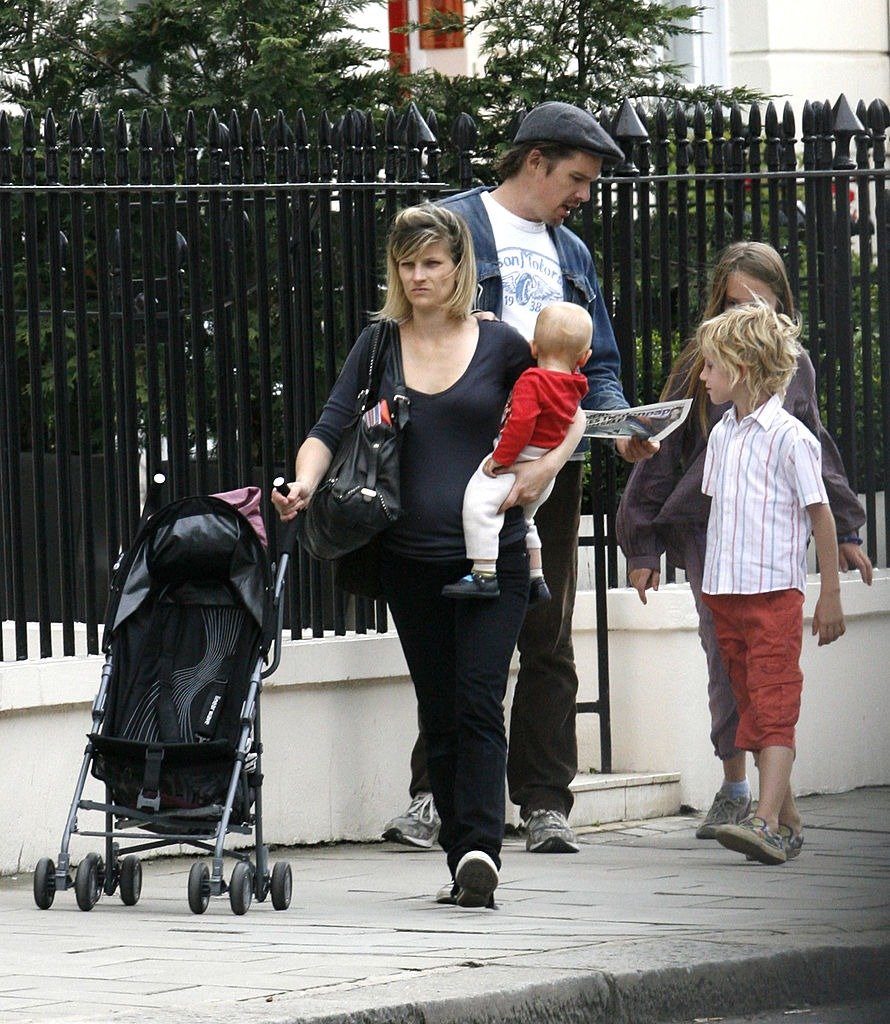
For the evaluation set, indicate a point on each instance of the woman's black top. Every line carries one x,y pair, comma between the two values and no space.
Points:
448,435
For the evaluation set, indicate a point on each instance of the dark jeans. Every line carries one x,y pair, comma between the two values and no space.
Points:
458,653
543,757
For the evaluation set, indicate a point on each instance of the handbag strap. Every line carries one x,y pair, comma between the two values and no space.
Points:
385,337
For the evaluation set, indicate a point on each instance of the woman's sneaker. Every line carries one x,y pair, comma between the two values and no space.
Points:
724,811
476,879
418,826
753,838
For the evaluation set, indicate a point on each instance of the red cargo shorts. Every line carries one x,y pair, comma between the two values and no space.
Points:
760,637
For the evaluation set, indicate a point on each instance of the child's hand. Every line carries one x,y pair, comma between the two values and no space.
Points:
828,619
490,467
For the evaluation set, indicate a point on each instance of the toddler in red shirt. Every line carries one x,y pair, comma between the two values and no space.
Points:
542,405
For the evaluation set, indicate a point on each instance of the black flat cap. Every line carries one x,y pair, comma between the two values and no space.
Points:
570,126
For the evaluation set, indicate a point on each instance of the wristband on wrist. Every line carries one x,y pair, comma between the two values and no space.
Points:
850,538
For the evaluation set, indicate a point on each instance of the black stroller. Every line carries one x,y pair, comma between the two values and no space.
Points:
192,618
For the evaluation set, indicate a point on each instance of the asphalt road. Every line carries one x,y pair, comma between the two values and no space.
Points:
858,1013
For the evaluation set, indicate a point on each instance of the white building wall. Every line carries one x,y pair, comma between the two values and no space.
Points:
810,49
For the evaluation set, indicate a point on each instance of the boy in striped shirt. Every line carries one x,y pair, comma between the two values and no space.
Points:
763,474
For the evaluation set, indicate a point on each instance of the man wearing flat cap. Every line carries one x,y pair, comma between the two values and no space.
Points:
525,260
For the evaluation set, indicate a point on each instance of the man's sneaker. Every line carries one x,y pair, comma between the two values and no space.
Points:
418,826
753,838
724,811
474,584
476,879
538,591
549,832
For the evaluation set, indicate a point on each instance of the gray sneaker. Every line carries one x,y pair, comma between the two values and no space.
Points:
418,826
724,811
549,832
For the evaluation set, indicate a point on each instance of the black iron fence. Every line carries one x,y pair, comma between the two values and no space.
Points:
182,301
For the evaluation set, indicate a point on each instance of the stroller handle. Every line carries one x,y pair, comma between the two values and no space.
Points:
289,529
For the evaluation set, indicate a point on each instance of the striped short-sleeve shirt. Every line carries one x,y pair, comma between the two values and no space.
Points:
761,474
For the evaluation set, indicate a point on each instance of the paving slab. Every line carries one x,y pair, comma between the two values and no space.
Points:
645,924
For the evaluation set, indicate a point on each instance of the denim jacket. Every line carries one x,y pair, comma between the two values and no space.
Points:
580,285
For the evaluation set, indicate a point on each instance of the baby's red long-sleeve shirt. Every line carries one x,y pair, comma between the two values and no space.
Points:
541,407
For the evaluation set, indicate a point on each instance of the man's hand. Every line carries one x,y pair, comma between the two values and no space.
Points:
644,579
531,479
852,556
635,449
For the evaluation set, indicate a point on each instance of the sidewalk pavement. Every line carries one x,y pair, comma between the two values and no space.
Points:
645,924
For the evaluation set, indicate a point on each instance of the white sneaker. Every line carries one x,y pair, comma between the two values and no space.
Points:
476,878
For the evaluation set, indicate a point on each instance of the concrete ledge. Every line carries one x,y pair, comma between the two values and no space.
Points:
665,992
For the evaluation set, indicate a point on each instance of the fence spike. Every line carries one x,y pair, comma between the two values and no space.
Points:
145,148
5,150
97,149
789,125
75,149
325,148
191,148
661,120
699,127
236,150
168,150
755,122
51,148
122,149
718,121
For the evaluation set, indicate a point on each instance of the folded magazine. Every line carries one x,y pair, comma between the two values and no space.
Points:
652,422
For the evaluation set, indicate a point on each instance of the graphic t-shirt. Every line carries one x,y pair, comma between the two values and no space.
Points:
529,266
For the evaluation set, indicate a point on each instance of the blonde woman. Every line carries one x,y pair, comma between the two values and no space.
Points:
458,373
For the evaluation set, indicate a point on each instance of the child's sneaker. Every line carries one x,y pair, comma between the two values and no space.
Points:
792,842
474,584
753,838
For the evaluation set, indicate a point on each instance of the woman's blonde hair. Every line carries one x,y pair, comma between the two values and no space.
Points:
754,259
753,344
414,229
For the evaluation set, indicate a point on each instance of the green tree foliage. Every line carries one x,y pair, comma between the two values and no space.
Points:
594,53
190,54
47,55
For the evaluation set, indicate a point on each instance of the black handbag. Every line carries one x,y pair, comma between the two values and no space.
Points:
360,495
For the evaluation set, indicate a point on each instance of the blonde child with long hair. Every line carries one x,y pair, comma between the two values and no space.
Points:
663,511
763,473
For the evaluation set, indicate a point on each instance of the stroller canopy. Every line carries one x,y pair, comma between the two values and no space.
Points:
199,539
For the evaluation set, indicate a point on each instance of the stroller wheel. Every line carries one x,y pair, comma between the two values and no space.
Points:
282,885
131,881
87,884
44,883
241,888
199,887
